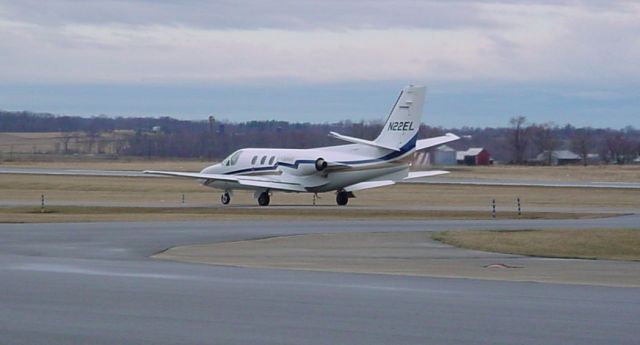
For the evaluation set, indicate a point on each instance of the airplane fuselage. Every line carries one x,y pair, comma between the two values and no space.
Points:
355,163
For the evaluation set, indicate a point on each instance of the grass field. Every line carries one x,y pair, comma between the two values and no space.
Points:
560,243
116,192
53,214
412,253
170,190
17,145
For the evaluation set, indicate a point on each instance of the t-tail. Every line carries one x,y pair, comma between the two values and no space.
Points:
401,129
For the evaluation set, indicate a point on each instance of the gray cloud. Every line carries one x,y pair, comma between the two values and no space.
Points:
317,41
271,14
279,14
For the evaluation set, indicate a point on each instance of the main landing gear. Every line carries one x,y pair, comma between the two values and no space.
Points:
342,197
263,199
225,198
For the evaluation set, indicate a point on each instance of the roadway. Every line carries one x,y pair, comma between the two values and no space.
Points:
95,283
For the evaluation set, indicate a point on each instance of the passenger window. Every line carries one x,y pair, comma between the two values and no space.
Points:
264,158
271,160
254,160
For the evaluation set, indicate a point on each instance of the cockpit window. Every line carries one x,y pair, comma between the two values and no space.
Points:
233,159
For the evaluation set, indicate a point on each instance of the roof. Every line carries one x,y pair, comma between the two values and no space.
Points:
559,155
473,151
444,148
565,154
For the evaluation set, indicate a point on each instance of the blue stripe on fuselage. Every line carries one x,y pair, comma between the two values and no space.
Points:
392,155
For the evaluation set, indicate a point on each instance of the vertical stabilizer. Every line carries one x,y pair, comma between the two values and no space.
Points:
401,128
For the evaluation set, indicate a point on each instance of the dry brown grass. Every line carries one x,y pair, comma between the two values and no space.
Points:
124,191
596,173
29,142
169,190
92,214
583,244
405,253
39,145
505,196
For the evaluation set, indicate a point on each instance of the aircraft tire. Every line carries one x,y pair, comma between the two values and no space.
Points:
225,198
342,198
263,199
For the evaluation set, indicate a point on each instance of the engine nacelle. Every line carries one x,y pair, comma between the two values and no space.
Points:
306,169
321,164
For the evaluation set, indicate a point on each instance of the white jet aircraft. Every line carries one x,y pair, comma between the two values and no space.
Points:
363,164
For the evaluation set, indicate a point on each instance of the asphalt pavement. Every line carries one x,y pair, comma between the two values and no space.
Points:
94,283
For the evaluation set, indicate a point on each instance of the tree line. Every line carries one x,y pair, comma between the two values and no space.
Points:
518,142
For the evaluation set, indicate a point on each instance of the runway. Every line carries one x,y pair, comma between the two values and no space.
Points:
94,283
426,180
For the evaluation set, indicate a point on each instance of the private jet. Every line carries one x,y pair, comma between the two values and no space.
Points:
345,169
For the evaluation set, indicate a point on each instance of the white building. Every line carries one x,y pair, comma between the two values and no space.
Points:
441,155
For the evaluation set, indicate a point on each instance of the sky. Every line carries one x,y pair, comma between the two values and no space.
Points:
483,62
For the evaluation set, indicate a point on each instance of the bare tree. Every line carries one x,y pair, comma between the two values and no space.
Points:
519,138
544,139
619,148
581,143
65,138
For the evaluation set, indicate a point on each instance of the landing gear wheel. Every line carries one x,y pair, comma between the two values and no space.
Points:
342,198
225,198
263,199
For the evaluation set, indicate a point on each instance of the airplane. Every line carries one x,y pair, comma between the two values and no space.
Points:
345,169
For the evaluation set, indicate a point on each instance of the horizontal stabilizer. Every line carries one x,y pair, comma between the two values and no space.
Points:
368,185
361,141
419,174
435,141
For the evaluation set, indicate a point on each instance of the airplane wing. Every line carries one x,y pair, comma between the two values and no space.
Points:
252,181
368,185
376,184
282,186
219,177
435,141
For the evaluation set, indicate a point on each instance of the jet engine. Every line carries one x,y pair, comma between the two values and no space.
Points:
321,164
309,168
